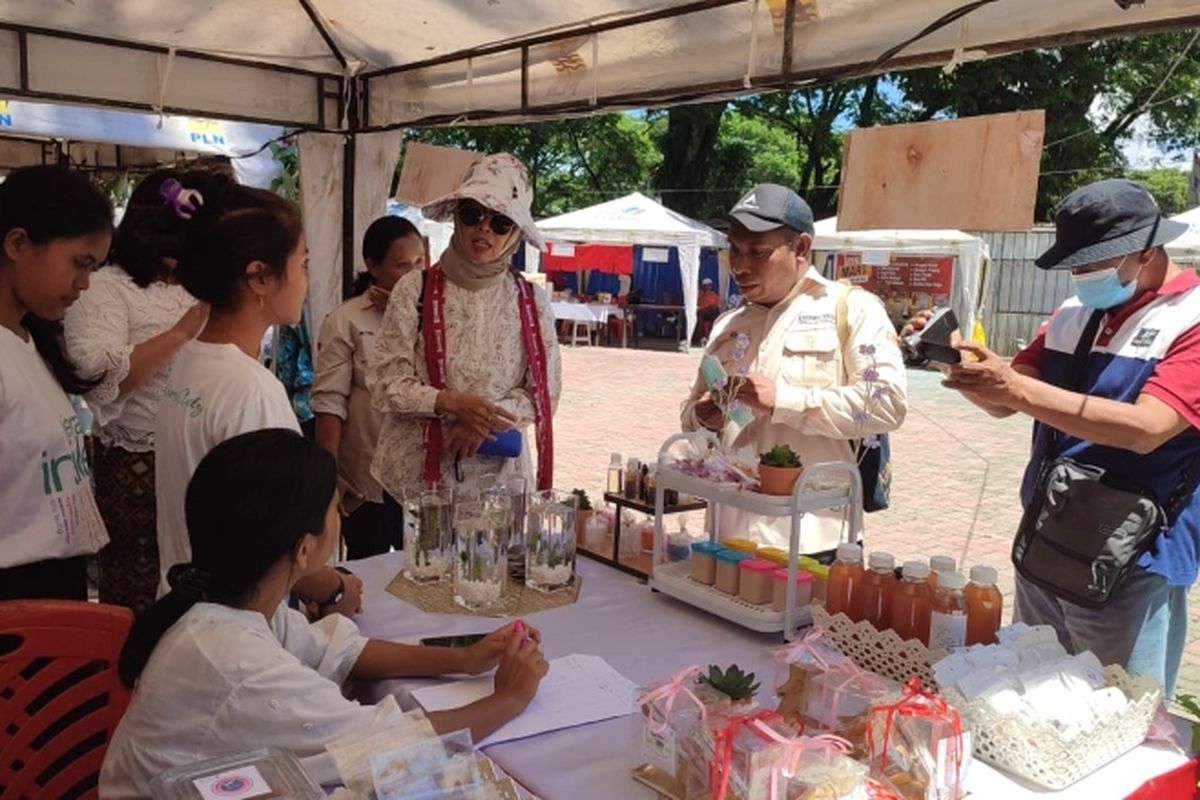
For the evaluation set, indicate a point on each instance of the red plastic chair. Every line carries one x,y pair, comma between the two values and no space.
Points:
60,698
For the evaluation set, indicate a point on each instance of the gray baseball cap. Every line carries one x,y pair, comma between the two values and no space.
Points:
769,206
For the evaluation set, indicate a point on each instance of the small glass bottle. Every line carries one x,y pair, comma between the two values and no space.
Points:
845,580
633,476
985,605
615,485
948,613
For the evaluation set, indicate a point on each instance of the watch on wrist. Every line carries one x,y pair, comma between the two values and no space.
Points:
337,595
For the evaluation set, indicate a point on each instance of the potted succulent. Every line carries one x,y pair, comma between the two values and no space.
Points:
740,687
778,470
583,513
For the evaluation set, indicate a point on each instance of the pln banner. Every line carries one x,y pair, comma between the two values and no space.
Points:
83,124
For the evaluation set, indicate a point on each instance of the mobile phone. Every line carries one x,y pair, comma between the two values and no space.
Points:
935,342
465,640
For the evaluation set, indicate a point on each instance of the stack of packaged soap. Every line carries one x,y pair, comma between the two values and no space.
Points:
1029,675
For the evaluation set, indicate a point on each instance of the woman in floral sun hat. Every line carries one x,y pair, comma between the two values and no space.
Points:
467,353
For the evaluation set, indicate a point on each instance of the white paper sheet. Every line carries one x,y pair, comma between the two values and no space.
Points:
579,689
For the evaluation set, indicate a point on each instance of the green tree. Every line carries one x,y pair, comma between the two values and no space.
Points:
572,162
748,150
688,142
1168,186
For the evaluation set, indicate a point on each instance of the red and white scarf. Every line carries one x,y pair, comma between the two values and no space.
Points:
433,329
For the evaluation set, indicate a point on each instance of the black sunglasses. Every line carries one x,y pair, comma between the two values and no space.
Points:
472,214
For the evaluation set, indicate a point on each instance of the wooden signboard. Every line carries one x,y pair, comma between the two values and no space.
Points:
431,171
977,173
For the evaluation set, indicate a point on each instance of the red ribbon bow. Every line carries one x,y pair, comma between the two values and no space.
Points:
722,763
916,703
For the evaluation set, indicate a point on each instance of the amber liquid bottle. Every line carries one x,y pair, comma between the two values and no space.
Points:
939,564
845,580
948,613
984,606
911,603
875,596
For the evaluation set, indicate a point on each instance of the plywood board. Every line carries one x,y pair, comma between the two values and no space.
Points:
977,173
431,171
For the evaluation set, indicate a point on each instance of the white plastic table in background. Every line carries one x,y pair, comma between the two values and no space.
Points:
646,637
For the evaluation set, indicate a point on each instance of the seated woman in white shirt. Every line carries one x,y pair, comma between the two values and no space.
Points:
125,330
55,228
219,665
243,252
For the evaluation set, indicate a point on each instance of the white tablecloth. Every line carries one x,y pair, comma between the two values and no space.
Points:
647,636
594,313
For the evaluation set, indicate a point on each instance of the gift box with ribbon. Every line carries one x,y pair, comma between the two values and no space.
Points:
728,744
917,742
673,711
804,767
838,700
799,663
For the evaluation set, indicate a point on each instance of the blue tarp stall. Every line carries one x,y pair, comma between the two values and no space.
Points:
655,232
103,137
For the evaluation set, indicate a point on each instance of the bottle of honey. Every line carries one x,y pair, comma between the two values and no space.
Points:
984,606
948,613
845,579
878,583
939,564
911,603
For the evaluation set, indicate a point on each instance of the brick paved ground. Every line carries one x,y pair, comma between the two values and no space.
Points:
956,469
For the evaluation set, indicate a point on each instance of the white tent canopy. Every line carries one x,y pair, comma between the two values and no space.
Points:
970,251
636,219
310,62
1187,247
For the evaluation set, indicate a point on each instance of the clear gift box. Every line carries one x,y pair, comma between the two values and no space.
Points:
807,768
441,768
664,738
838,701
799,663
259,774
727,746
917,742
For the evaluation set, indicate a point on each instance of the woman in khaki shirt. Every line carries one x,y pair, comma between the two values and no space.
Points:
347,426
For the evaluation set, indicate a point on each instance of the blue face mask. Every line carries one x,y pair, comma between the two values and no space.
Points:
1103,289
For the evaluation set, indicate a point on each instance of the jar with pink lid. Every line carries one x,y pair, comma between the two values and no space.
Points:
804,589
755,580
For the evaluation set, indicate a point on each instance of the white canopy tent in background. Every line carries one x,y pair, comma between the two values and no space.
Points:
1186,248
362,65
971,252
636,219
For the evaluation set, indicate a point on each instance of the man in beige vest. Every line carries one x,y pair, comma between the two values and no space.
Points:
805,384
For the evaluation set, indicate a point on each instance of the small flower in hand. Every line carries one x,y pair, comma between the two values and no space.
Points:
871,442
866,349
743,341
871,375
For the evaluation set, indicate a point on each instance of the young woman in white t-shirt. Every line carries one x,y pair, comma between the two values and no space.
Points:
243,252
125,331
55,228
220,666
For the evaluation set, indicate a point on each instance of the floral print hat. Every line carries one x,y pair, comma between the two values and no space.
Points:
499,183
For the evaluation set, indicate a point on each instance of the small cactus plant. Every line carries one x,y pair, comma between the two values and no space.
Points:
782,456
732,682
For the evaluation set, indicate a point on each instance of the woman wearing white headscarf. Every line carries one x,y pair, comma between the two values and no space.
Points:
467,353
